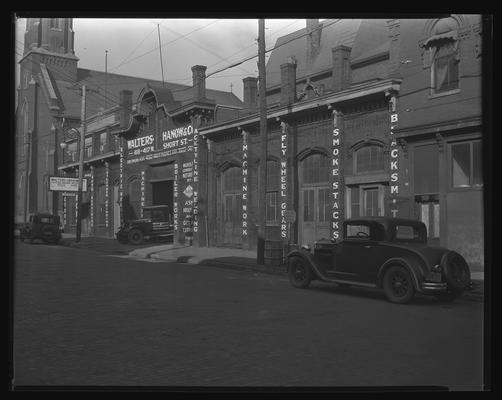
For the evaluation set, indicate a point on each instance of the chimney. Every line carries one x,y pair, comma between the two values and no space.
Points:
199,82
341,68
250,93
125,106
394,28
313,41
288,82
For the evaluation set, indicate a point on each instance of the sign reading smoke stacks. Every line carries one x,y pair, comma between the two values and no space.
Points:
394,158
283,172
244,183
335,171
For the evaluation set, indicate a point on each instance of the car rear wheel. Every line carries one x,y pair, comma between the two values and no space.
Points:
135,236
398,285
300,274
456,270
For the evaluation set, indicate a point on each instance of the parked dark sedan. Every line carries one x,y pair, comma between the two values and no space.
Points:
387,253
41,226
156,223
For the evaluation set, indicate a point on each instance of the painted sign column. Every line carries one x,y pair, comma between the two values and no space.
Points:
121,181
107,192
91,227
175,200
195,216
336,175
394,158
283,180
245,185
142,182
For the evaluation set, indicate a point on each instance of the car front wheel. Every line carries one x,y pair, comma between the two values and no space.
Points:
398,285
135,236
300,274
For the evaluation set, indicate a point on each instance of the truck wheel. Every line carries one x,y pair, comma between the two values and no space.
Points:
135,236
300,274
398,285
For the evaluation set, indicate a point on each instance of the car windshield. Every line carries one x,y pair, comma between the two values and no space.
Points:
156,215
47,220
410,233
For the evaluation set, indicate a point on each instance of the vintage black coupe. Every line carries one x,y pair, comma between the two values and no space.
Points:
383,252
156,223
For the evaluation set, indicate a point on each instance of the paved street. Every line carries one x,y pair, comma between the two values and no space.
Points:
85,318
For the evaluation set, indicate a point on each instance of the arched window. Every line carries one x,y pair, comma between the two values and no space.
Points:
443,55
315,169
369,159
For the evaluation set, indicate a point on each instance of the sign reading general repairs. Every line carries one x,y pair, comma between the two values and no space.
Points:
64,184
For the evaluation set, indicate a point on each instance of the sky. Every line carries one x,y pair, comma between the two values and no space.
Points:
132,47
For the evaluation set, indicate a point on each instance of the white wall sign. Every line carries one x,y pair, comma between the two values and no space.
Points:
59,183
335,171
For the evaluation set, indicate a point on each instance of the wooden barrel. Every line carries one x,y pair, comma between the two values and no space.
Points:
274,253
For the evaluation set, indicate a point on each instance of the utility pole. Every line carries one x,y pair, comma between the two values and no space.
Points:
260,259
81,167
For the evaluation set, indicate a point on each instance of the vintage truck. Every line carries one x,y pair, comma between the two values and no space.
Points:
156,223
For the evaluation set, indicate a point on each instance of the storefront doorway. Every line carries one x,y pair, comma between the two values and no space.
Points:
162,194
231,218
315,202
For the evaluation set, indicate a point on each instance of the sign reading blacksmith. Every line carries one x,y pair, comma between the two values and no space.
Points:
394,158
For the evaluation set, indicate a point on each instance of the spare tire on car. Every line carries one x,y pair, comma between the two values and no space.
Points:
456,271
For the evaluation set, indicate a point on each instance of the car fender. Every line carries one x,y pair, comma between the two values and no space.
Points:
308,257
412,269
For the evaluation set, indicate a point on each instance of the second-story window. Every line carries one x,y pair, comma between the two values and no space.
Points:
88,146
369,159
443,56
71,152
445,67
103,148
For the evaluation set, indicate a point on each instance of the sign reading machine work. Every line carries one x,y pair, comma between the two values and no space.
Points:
64,184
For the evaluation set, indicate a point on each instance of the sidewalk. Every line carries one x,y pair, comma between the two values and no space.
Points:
237,259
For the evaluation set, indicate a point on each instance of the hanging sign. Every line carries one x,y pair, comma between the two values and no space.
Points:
244,183
394,158
335,171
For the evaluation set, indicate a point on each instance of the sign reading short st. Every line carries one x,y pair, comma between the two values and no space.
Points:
64,184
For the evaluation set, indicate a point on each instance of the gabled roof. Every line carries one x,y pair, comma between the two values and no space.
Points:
115,83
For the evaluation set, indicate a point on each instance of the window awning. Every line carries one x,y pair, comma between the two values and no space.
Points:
451,35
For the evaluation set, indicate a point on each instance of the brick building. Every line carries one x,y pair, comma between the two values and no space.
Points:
364,117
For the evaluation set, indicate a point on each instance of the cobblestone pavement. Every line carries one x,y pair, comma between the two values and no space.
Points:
85,318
